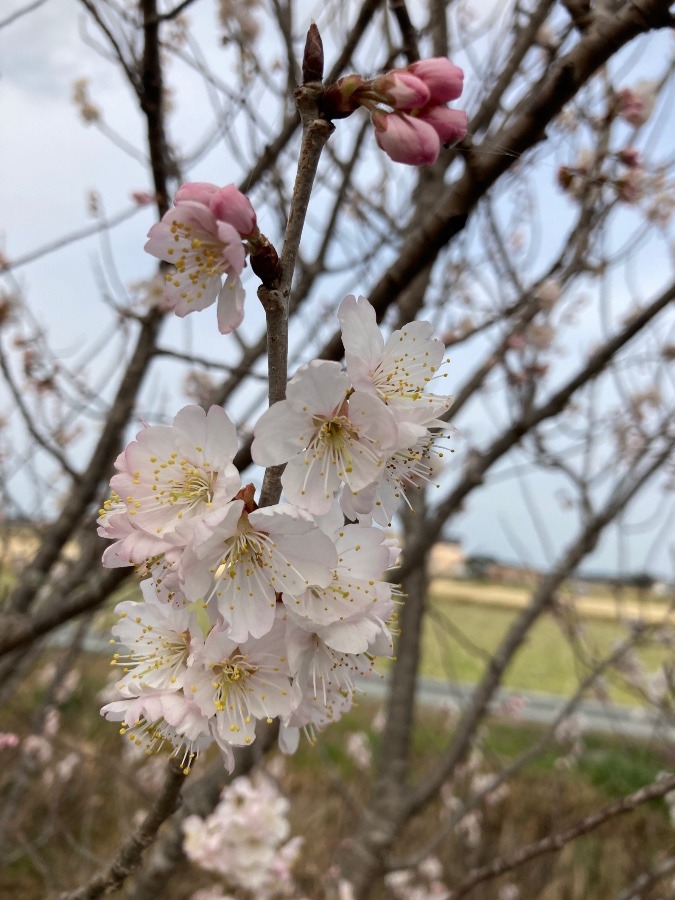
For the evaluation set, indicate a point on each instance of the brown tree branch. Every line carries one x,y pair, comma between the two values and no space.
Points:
130,853
276,298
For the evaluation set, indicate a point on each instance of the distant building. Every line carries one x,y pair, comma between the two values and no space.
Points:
447,560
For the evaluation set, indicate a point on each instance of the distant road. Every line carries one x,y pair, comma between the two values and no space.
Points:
592,715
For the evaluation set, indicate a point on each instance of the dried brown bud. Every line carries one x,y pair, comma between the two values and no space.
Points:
246,494
312,60
265,263
565,177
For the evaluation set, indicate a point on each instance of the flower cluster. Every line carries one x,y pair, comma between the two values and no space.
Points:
245,839
201,236
418,121
260,613
367,432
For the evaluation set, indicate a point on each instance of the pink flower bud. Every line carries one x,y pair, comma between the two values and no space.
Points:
630,156
402,90
229,205
343,97
444,79
195,191
406,139
631,186
515,341
449,124
635,105
143,198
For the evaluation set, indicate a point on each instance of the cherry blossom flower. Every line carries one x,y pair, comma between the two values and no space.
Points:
397,370
325,438
151,718
241,682
635,105
355,585
314,663
245,838
203,245
8,740
157,638
241,563
132,545
170,478
317,710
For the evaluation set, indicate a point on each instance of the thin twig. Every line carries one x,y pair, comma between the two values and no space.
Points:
23,11
557,841
275,299
129,854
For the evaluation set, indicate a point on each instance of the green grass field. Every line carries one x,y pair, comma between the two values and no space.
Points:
459,637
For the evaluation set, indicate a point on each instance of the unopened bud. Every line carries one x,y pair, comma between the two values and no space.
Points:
265,262
342,98
312,60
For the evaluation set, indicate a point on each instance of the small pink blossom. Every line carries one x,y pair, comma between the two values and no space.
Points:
143,198
630,156
201,249
630,186
548,294
8,740
444,80
401,90
229,205
636,104
450,124
406,139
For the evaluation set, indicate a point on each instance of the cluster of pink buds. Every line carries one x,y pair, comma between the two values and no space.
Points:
417,120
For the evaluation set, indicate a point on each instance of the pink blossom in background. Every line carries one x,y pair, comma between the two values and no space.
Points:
143,198
8,740
630,156
636,104
246,839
